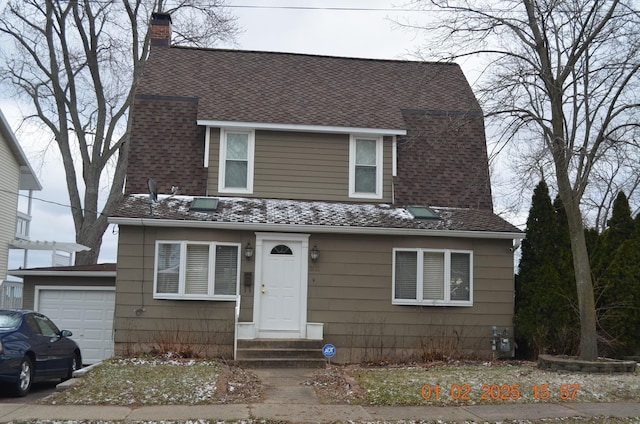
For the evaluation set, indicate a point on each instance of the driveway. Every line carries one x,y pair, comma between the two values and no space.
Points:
38,391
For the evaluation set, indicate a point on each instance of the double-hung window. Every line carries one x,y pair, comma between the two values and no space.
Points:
196,270
236,161
432,277
365,167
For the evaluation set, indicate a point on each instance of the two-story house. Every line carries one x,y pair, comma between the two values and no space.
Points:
17,176
335,199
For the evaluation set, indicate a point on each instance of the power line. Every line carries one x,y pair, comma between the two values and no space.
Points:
51,202
348,9
354,9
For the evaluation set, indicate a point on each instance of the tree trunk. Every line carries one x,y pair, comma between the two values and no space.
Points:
90,236
588,335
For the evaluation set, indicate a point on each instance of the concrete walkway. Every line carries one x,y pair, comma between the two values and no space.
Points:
287,399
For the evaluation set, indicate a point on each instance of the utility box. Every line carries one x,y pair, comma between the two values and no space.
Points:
500,342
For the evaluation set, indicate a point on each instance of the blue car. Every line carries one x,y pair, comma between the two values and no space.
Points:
33,349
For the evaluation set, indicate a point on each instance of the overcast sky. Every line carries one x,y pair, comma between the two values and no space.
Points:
352,33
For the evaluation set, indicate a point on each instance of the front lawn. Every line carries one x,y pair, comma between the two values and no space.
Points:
138,381
469,384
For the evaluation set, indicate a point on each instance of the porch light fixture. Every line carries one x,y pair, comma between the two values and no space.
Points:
248,251
315,254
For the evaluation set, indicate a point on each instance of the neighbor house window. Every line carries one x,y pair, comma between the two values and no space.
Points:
432,277
365,167
196,270
236,161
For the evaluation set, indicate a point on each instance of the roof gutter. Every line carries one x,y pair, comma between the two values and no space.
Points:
301,128
66,273
294,228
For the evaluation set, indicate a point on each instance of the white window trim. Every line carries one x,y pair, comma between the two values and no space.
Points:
223,161
419,277
352,167
394,157
181,295
207,145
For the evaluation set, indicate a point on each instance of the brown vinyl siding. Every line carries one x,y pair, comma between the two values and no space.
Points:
349,290
299,165
143,323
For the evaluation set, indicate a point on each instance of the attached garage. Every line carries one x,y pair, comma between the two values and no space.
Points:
80,299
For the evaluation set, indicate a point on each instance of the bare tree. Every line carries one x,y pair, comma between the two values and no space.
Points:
618,172
562,75
79,62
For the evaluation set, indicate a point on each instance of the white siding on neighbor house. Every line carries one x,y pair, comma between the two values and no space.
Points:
10,177
11,294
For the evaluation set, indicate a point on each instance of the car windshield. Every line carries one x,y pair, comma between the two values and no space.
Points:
9,319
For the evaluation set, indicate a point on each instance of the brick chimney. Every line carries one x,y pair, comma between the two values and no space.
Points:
160,29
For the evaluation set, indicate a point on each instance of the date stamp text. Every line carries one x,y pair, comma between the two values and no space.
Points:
505,392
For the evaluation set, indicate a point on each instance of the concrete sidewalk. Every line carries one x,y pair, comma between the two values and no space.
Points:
287,399
314,413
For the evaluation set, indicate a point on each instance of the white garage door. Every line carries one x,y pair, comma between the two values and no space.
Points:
85,311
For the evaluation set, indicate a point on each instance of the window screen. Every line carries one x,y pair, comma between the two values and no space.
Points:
168,276
226,272
406,275
197,272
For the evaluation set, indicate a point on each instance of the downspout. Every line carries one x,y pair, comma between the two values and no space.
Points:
235,328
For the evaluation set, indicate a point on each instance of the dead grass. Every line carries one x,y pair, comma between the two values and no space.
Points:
457,384
136,382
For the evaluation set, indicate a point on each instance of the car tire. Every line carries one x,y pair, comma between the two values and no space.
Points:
76,364
25,377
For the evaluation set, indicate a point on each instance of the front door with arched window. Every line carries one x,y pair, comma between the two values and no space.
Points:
281,286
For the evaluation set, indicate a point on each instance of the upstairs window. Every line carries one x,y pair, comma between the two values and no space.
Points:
195,270
432,277
365,167
236,161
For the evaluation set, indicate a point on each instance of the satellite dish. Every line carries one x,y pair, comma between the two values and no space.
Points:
153,190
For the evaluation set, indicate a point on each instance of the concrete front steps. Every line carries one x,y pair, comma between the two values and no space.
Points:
280,353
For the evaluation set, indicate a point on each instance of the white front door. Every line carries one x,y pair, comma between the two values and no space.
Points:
281,285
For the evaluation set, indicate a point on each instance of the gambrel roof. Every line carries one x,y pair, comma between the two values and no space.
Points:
299,89
441,154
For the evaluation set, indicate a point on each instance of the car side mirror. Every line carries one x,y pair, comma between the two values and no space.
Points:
66,333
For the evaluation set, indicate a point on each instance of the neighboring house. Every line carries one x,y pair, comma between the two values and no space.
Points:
80,299
16,197
343,200
17,176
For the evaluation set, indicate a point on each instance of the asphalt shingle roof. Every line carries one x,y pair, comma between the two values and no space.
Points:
441,161
311,213
267,87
